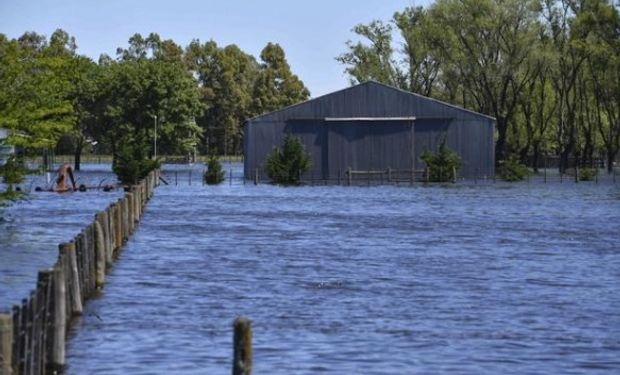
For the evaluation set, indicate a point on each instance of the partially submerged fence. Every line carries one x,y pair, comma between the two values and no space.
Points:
33,334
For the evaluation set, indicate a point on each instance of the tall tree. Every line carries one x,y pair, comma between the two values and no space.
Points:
276,86
488,43
375,60
598,26
226,76
421,67
34,102
143,91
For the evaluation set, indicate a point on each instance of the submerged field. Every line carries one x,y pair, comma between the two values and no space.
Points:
477,279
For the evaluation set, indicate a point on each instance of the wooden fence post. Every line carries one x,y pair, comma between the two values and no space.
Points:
45,291
100,255
68,249
118,220
109,247
57,356
242,347
130,213
6,343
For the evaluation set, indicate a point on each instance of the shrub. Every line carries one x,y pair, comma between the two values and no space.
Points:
285,165
131,164
214,174
12,172
512,170
587,174
441,165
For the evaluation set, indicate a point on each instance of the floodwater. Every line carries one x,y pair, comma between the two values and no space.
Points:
494,279
31,229
464,279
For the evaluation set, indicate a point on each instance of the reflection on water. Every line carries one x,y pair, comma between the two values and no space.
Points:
467,279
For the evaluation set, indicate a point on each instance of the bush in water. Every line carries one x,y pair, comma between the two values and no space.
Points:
441,166
511,169
286,165
214,174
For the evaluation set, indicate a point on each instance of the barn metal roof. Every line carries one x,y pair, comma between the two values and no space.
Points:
370,100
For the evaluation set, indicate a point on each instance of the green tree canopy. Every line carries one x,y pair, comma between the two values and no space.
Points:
276,86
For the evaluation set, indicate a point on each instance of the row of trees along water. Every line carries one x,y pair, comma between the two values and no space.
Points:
197,95
547,70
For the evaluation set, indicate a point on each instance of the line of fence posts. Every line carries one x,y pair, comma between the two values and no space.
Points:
33,334
410,176
393,176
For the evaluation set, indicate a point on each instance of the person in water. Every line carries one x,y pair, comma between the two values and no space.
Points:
65,173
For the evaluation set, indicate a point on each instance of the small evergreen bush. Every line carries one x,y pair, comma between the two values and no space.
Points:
132,165
214,174
512,170
285,165
441,165
12,172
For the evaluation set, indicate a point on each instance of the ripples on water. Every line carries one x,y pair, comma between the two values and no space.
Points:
508,279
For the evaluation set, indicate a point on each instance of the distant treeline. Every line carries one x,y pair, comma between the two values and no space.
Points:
197,95
547,70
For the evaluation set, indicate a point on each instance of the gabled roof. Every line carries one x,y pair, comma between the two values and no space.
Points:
370,99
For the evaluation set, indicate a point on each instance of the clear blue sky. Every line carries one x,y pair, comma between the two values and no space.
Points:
312,33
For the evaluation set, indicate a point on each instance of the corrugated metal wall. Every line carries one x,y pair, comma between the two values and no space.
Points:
372,145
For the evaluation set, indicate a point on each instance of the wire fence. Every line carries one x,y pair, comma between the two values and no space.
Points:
234,175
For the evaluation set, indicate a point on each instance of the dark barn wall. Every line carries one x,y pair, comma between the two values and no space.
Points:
363,145
369,145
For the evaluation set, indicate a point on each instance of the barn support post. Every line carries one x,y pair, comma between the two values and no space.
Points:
389,175
256,176
349,175
454,175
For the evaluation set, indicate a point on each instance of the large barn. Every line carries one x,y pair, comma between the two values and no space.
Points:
372,127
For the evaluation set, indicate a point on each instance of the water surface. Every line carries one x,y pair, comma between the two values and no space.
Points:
485,279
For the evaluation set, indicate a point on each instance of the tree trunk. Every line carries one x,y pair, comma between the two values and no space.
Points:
535,156
77,155
500,145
